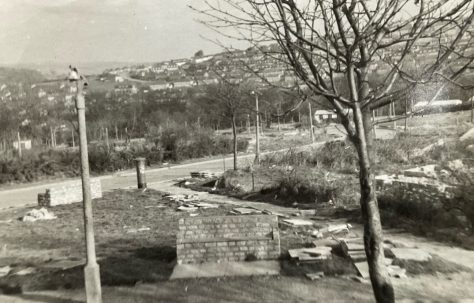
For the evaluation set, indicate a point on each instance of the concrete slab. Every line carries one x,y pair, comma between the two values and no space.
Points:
363,269
225,269
298,222
412,254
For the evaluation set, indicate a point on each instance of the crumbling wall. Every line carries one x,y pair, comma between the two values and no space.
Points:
68,192
414,189
227,238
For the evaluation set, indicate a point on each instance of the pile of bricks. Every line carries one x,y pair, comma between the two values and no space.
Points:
68,192
227,238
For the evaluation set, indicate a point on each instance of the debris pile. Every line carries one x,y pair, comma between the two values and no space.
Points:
310,254
203,174
38,214
189,203
245,211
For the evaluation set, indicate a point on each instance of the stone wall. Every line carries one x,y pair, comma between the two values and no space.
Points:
68,192
414,189
227,238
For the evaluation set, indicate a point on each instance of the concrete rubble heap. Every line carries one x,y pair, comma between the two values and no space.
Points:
203,174
425,184
189,203
38,214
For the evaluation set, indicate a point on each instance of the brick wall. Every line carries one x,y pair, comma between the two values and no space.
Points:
68,192
227,238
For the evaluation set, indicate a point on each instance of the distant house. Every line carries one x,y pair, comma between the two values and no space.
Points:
159,86
322,115
129,89
24,144
119,79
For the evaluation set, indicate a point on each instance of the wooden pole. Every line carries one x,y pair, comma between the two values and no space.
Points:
107,138
311,122
257,140
472,105
72,135
19,145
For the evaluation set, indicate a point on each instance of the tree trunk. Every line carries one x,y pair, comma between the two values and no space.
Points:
234,133
373,235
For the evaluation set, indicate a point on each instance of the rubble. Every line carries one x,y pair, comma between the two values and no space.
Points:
203,174
183,198
245,211
5,270
332,230
25,271
362,269
271,212
311,254
298,222
187,208
315,276
469,135
38,214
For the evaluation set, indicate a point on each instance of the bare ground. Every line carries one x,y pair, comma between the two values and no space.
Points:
135,266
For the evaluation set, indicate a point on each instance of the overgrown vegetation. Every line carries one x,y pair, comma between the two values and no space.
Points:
174,144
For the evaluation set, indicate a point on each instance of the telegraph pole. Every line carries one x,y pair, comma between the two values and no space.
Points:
257,140
311,122
472,105
19,145
91,269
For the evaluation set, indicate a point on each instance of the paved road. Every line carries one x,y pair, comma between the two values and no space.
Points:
27,195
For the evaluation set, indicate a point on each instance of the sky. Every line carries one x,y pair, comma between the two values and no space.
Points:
55,31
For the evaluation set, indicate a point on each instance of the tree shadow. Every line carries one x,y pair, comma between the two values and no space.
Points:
145,264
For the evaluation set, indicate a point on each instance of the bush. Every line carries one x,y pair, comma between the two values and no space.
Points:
173,144
306,185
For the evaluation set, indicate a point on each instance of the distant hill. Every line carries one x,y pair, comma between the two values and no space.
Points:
16,75
56,70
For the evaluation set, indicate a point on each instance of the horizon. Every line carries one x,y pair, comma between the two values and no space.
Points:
111,31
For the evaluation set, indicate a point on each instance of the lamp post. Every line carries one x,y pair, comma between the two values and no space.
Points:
91,269
257,140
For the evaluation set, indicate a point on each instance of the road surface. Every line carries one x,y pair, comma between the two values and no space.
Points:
25,195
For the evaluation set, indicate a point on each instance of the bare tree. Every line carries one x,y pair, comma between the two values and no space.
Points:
228,99
335,46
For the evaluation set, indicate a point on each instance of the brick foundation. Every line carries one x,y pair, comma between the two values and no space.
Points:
227,238
68,192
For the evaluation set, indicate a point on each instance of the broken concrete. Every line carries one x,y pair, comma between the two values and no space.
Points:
246,211
298,222
5,270
469,135
311,254
315,276
38,214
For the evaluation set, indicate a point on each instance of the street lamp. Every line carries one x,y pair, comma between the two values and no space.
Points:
91,269
257,141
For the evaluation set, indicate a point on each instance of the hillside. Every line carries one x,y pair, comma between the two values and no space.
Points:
16,75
